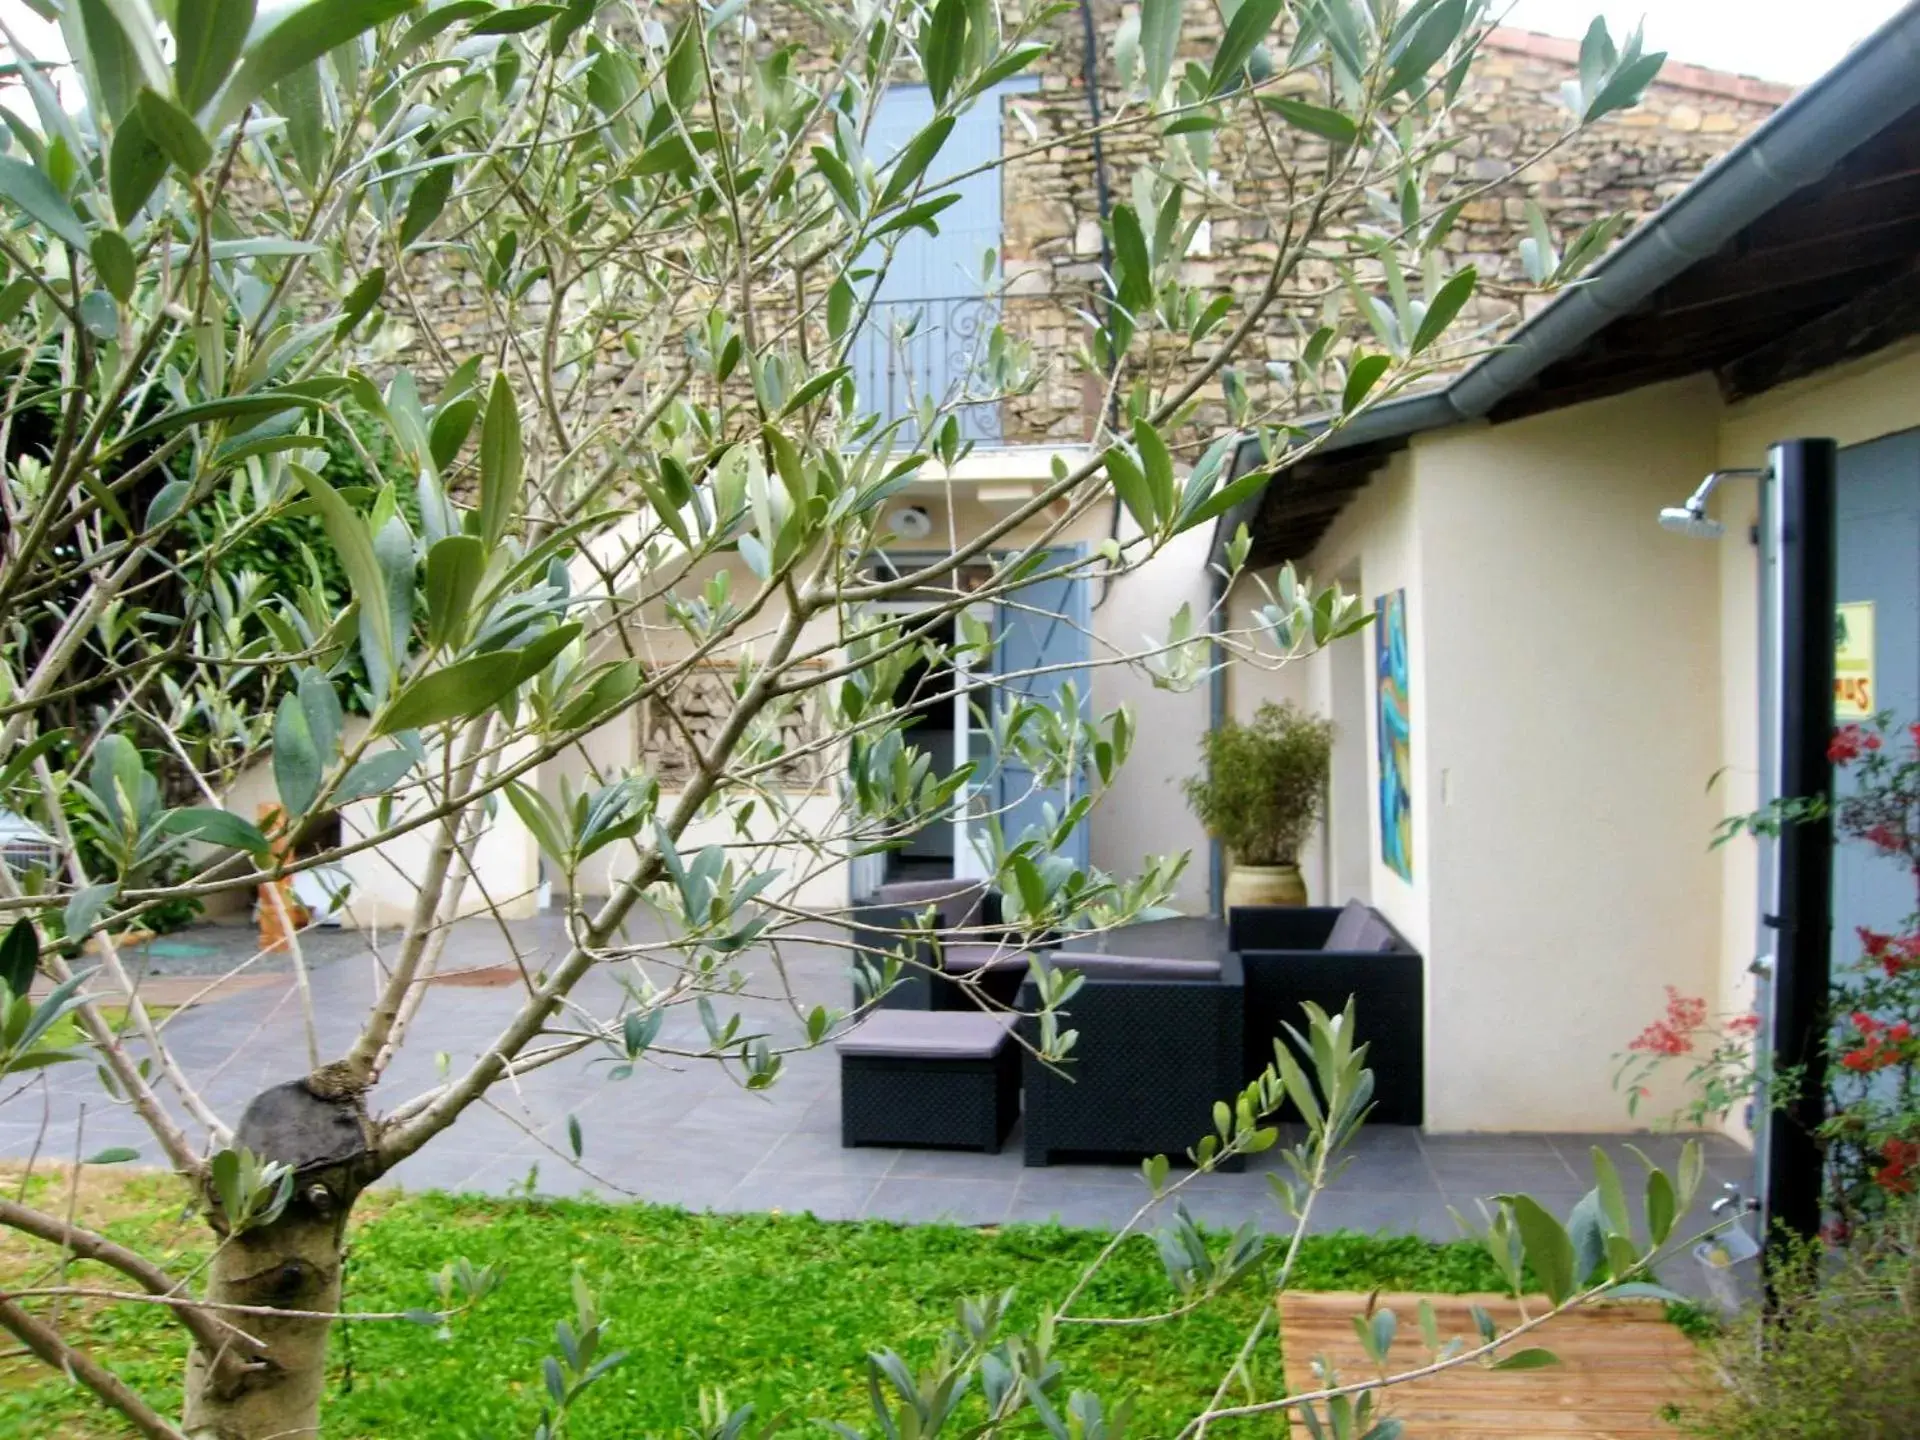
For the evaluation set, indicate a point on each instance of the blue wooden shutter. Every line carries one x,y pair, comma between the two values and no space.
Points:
1046,624
934,282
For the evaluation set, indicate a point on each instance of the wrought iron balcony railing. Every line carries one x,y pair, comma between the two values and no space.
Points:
910,351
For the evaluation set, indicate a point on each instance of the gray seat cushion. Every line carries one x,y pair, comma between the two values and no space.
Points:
970,957
1359,930
958,901
1133,967
928,1035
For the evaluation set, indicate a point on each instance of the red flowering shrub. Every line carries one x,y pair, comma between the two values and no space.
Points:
1873,1086
1722,1074
1673,1034
1848,744
1894,954
1876,1045
1902,1158
1872,1133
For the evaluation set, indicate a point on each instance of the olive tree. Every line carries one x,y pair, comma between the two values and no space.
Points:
225,233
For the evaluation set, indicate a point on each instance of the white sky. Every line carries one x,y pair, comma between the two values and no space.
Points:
1791,40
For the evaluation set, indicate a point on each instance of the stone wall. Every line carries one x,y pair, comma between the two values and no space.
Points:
1632,162
1052,233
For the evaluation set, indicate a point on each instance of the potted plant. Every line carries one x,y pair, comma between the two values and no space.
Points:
1260,795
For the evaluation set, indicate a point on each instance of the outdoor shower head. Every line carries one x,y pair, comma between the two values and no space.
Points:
1692,518
1686,520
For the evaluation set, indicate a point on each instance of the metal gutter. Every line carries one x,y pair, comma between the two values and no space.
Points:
1870,88
1217,698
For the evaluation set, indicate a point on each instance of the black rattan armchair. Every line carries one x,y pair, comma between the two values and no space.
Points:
1293,954
1159,1043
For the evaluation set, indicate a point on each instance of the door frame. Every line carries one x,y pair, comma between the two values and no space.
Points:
968,862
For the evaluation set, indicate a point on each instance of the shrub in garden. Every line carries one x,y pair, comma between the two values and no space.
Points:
1871,1136
1873,1082
1264,784
1838,1355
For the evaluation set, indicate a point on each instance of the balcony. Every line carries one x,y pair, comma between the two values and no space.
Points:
912,351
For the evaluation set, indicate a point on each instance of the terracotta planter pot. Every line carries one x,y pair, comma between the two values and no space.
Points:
1265,885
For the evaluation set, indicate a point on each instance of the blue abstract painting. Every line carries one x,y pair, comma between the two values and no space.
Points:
1395,733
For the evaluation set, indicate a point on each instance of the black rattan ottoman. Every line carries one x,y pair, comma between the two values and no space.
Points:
929,1078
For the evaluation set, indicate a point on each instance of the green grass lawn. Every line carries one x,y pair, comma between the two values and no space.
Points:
777,1310
65,1033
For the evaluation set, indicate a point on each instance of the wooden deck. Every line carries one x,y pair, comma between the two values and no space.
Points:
1620,1366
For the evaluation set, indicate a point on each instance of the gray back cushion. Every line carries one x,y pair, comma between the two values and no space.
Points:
958,901
967,957
1134,967
1359,930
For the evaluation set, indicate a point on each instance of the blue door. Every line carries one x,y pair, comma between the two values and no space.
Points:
933,310
1878,513
1041,626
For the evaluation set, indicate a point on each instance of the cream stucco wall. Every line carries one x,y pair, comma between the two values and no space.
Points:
1373,548
1572,656
1737,788
383,878
1145,813
1559,643
1851,403
1585,707
503,879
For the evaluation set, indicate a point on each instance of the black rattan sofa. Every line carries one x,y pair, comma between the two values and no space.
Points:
983,949
1294,954
1159,1043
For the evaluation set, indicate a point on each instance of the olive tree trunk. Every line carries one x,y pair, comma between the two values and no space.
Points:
291,1263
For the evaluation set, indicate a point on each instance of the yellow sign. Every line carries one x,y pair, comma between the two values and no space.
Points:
1854,697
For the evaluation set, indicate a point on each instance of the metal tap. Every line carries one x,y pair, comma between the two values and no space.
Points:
1733,1201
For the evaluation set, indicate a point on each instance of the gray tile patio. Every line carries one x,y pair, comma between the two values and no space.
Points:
685,1133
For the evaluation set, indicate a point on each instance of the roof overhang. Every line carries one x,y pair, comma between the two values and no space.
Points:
1797,249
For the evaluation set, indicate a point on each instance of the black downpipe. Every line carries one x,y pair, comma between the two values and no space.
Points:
1216,717
1090,78
1802,517
1103,198
1218,583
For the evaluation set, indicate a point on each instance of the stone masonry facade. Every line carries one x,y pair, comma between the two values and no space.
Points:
1630,163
